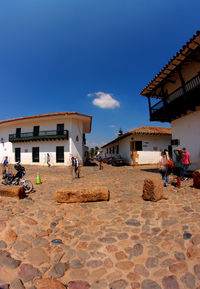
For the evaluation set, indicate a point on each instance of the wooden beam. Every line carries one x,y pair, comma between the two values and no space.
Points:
149,102
173,64
195,59
183,88
196,42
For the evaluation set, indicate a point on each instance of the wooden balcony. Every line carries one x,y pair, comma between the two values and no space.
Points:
178,102
41,136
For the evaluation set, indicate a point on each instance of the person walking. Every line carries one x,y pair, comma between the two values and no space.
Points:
76,165
100,163
178,165
5,166
48,160
185,161
163,168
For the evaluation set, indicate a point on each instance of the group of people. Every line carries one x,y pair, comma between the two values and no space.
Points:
181,164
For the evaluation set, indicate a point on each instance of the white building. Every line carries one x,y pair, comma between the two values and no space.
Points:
29,139
178,88
139,146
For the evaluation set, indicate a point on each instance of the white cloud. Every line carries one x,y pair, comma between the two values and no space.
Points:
105,100
112,126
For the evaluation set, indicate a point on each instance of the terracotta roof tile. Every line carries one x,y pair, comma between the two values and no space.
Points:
152,130
144,130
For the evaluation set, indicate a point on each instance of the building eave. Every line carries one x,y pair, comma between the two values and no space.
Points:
56,114
184,53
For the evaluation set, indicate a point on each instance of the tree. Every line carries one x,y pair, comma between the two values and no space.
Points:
120,132
95,150
91,152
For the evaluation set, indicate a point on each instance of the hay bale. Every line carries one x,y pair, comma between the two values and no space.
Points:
196,179
82,195
12,191
153,190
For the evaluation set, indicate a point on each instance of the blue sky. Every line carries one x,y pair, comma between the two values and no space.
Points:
89,56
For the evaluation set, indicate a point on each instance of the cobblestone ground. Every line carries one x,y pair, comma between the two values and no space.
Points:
123,243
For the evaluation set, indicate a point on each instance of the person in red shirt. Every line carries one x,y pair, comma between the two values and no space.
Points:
185,161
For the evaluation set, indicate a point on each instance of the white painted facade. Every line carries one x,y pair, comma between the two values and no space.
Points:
152,145
76,125
187,130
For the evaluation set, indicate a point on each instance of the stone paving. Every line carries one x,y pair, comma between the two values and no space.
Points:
123,243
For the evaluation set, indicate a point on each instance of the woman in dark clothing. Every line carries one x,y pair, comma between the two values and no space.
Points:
178,166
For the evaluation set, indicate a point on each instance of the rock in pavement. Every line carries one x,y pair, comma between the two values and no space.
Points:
50,284
7,261
17,284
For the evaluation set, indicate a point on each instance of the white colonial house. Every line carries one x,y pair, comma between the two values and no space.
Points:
140,146
177,86
29,139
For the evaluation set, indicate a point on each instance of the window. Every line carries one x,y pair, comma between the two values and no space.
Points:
60,128
35,154
17,155
84,139
36,130
117,149
138,145
113,150
107,150
60,154
110,150
175,142
18,132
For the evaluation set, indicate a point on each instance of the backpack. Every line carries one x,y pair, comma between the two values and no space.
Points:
170,163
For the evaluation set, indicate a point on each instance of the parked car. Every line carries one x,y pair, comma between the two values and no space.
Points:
110,160
118,162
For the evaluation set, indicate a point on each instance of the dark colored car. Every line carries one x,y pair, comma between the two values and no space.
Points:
118,162
110,160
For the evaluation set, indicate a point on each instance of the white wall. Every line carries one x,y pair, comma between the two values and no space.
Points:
73,146
148,155
187,130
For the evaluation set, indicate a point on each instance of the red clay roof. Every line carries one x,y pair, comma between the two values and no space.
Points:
45,115
186,50
152,130
143,130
